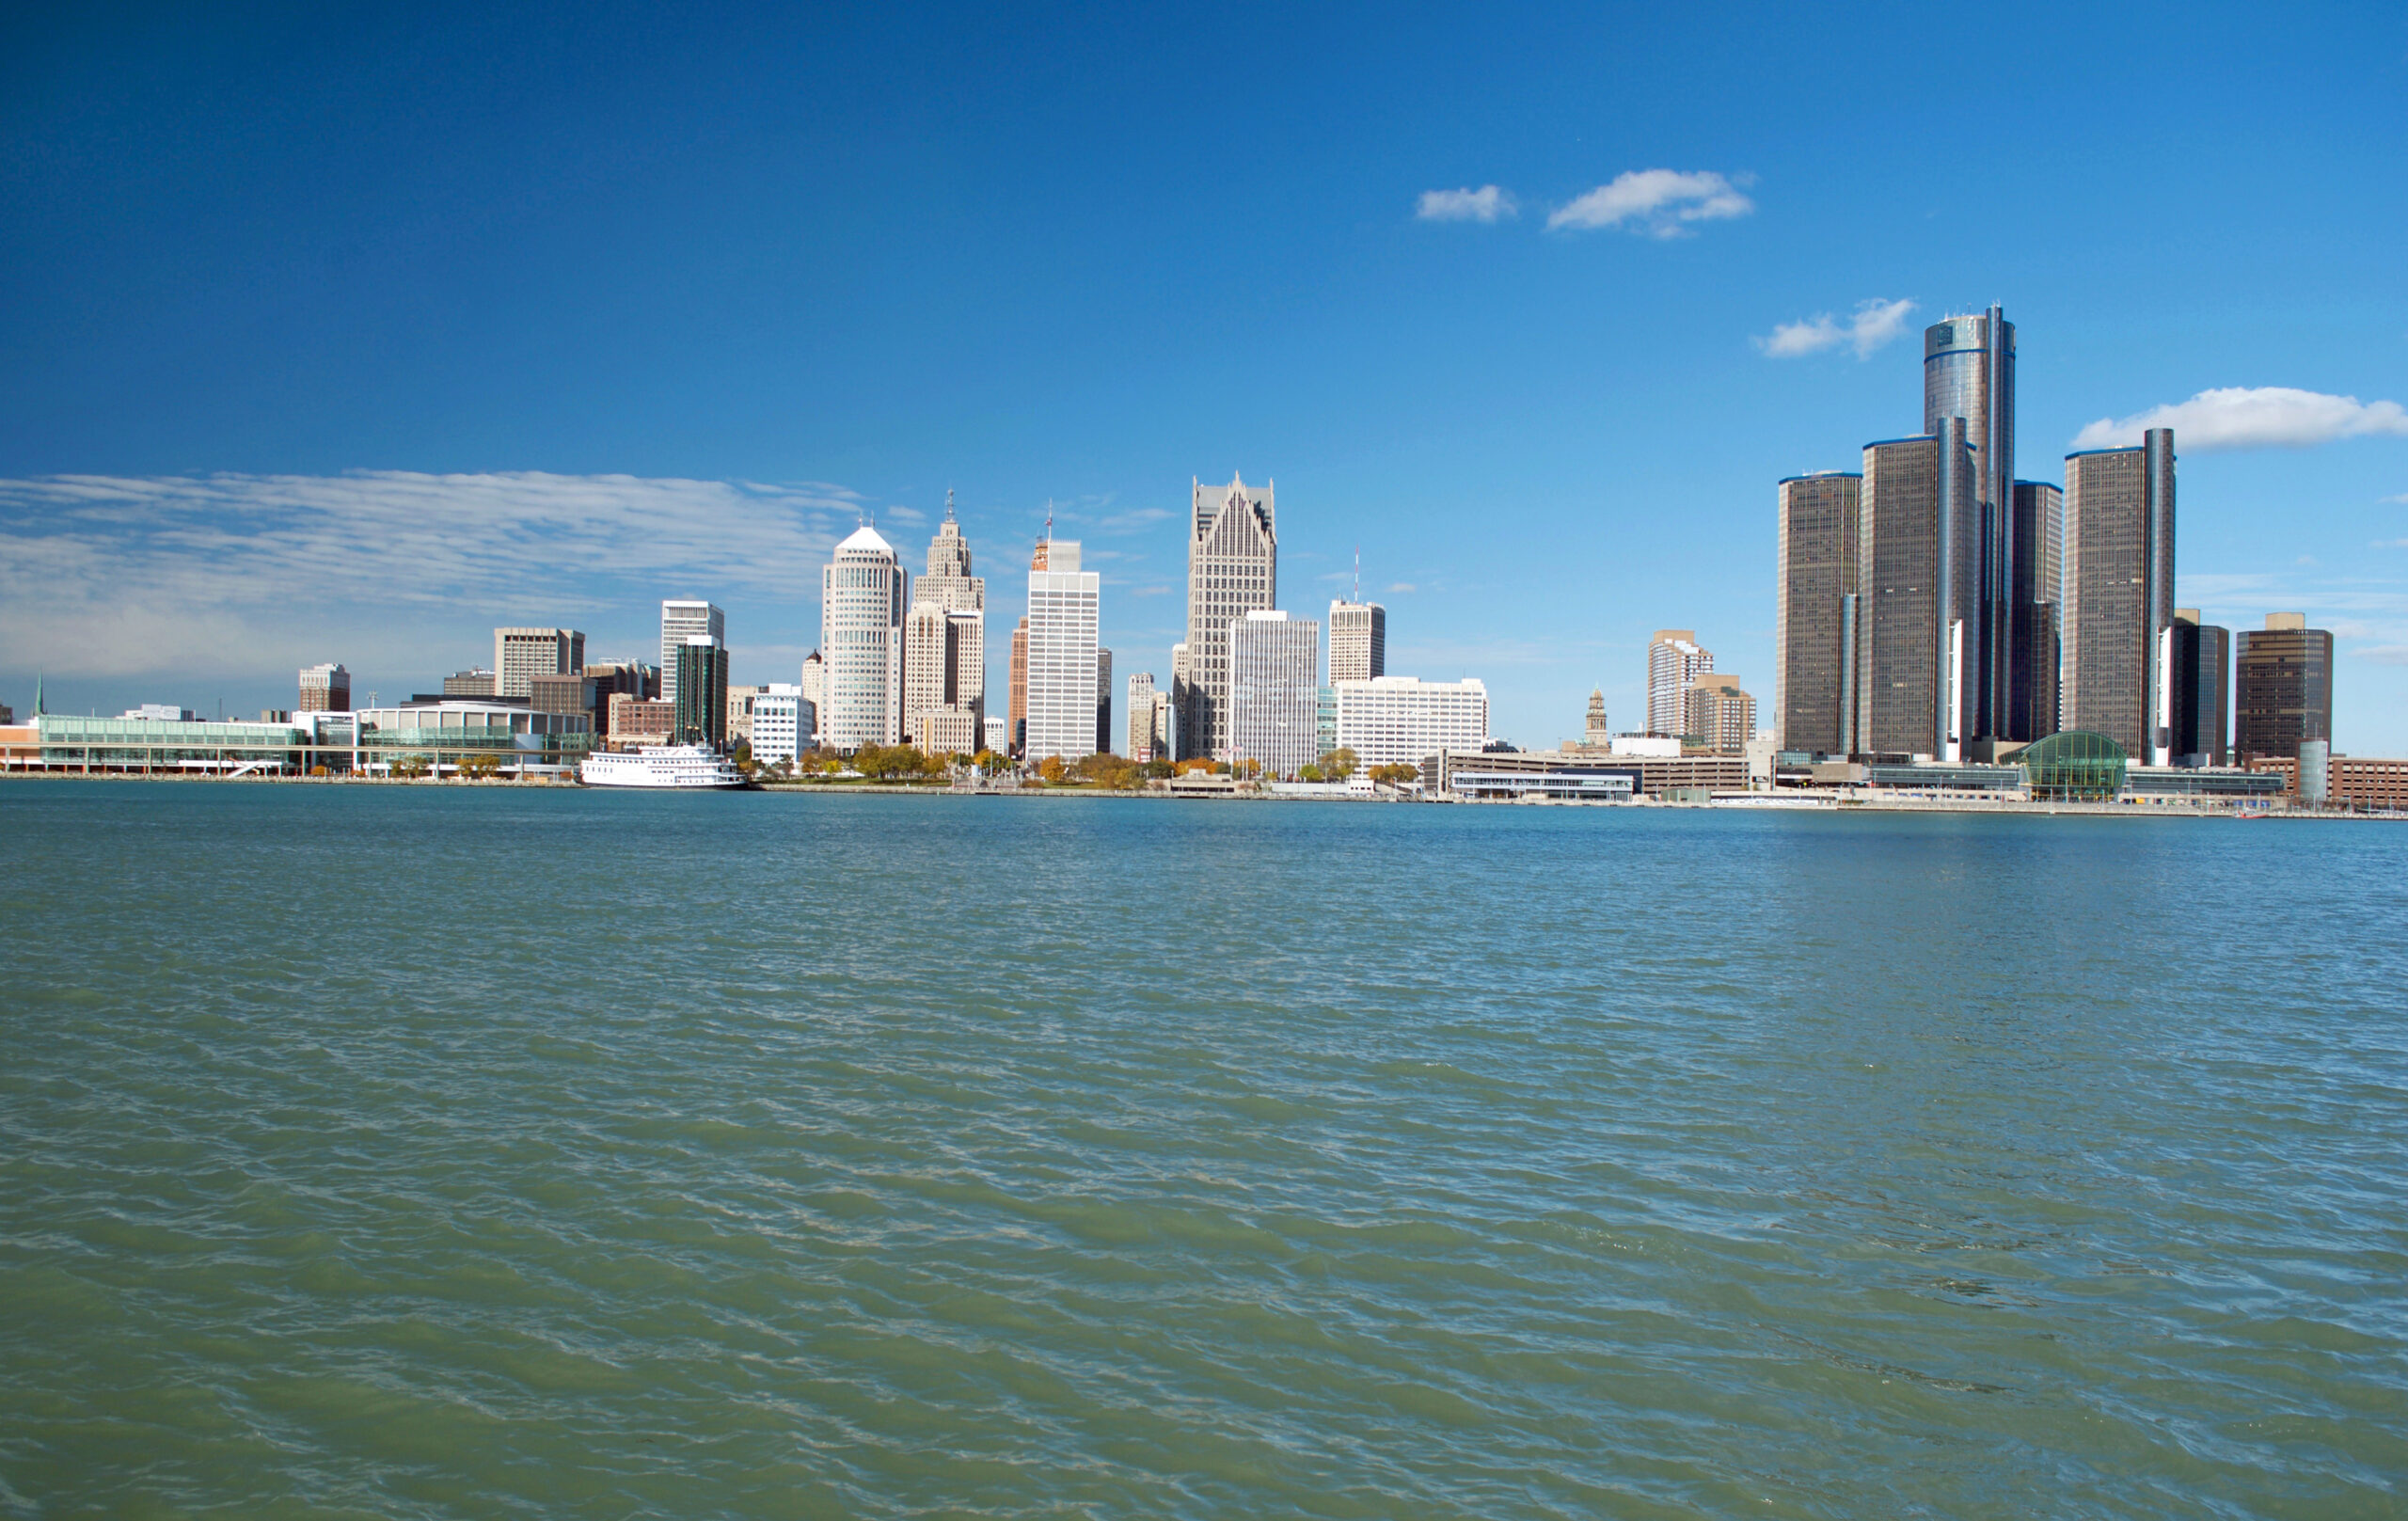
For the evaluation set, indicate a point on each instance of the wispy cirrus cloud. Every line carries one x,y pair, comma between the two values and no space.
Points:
1662,203
1876,322
110,576
2251,416
1488,203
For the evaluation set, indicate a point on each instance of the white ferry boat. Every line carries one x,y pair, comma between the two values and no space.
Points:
661,766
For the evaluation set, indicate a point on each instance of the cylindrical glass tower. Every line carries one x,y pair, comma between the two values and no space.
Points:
1968,373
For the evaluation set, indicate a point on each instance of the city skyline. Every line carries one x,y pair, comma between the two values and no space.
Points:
1543,328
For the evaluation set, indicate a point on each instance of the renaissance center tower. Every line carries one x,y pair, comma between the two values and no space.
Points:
1968,373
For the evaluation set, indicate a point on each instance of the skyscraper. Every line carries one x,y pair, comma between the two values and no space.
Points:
1674,660
945,662
1062,656
1968,373
681,620
1916,558
1103,701
324,689
2039,527
1814,624
1018,696
813,682
2202,690
1274,691
1718,712
862,593
1232,569
2282,689
2117,641
699,715
522,654
1182,697
1359,641
1143,745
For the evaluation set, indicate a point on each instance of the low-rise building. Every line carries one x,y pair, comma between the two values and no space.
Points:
782,723
176,744
445,731
2362,782
637,721
1652,775
1403,720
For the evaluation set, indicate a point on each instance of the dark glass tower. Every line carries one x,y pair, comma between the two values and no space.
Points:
701,717
1968,373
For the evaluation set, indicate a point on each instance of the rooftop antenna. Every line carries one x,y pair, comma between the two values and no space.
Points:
949,504
1359,574
1049,521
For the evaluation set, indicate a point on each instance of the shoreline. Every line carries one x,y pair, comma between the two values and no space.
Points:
1833,806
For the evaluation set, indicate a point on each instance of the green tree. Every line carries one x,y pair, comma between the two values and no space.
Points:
1338,764
1396,774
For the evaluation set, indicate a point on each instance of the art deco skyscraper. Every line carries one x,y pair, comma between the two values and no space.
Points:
1968,373
1674,659
1232,569
944,657
862,594
1814,627
2117,643
1916,560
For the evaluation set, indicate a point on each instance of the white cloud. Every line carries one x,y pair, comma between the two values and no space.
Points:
1876,322
1659,202
113,577
2384,654
1402,589
2251,416
1486,204
2400,501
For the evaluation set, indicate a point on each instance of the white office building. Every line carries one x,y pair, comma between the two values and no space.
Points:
863,596
1392,721
1062,656
782,719
680,621
1274,691
999,734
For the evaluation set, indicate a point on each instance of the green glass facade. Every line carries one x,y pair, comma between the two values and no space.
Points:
2075,766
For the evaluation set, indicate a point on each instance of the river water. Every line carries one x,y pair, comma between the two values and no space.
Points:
442,1151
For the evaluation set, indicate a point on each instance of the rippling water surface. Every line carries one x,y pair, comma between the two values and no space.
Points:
444,1152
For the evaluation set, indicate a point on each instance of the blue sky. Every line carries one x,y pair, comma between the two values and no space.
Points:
340,335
